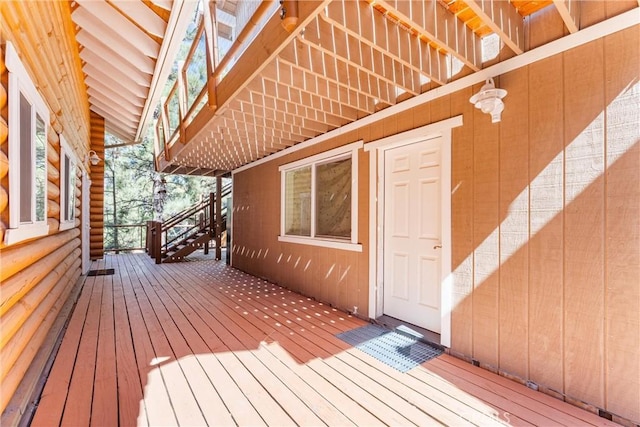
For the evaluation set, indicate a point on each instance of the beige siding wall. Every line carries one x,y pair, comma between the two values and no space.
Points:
38,275
545,225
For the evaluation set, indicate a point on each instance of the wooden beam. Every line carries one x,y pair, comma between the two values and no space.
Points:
264,48
106,35
143,15
381,35
129,64
109,75
165,4
369,63
112,92
433,21
117,103
127,30
310,93
503,19
113,119
569,11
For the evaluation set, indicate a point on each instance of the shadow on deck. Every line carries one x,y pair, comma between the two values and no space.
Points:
200,343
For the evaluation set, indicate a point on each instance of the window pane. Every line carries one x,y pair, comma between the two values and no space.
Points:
67,189
25,160
41,169
71,194
298,202
333,199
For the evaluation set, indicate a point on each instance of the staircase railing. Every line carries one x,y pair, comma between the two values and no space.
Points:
194,219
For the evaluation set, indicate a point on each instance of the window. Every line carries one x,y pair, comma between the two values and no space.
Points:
68,165
28,123
319,199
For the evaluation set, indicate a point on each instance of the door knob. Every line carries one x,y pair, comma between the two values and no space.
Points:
437,247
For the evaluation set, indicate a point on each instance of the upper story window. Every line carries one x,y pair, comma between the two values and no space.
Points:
319,199
28,123
68,171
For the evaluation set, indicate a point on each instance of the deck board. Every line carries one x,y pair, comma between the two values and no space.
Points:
199,343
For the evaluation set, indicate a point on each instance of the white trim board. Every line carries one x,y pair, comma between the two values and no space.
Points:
377,148
589,34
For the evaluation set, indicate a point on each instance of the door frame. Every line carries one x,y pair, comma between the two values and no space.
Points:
376,151
85,223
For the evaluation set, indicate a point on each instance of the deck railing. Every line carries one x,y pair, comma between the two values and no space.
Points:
207,62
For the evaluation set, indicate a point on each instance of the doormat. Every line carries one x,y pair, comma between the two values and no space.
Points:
391,348
103,272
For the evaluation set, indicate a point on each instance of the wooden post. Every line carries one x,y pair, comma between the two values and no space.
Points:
157,251
218,218
212,215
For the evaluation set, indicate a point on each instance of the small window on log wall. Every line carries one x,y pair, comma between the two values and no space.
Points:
68,171
28,124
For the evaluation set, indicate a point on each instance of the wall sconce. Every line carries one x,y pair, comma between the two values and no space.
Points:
489,100
92,157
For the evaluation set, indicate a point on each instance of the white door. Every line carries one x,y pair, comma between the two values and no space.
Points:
86,222
412,233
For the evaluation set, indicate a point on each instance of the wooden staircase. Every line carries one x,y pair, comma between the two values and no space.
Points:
187,231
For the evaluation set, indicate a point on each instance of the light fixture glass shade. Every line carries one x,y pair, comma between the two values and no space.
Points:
93,158
489,100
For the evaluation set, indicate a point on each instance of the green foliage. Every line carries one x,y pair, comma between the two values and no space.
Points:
129,177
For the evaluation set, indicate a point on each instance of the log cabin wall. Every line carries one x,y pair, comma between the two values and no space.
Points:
545,226
37,276
96,195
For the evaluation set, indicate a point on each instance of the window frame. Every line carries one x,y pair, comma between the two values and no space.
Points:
340,153
20,83
65,151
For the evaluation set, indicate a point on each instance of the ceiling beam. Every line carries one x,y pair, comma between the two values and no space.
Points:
116,112
379,34
111,38
434,22
569,10
179,19
117,102
116,122
376,63
113,93
503,19
117,80
125,28
108,54
142,15
316,92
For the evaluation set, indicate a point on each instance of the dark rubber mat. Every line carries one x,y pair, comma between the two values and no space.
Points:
103,272
396,350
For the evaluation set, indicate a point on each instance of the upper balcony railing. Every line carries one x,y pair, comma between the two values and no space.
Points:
206,63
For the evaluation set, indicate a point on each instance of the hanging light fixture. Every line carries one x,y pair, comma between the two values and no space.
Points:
92,157
489,100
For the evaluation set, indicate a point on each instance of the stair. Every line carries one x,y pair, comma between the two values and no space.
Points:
187,231
180,250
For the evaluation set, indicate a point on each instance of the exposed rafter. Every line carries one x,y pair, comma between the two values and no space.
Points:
569,10
432,21
503,19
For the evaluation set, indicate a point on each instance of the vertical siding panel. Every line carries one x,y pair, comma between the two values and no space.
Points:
514,225
546,159
584,218
462,225
622,315
486,231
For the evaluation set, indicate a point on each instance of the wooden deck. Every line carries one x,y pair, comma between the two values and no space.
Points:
199,343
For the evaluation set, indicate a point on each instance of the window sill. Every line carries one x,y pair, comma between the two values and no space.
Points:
67,225
325,243
25,232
